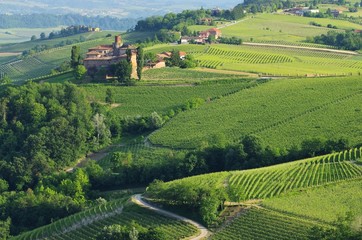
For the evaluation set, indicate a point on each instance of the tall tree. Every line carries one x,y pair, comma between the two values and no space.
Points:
129,55
140,62
75,56
123,71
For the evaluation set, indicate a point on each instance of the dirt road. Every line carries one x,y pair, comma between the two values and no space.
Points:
203,231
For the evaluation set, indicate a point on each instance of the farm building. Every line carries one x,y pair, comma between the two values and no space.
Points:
104,56
203,36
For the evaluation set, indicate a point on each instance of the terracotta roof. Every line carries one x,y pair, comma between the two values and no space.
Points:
104,47
214,30
93,53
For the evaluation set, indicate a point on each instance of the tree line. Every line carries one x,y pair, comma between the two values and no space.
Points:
177,22
348,41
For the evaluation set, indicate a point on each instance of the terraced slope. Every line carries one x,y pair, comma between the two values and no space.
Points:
283,112
86,225
275,180
257,223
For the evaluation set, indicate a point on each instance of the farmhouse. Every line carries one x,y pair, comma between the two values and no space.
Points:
300,11
103,56
203,36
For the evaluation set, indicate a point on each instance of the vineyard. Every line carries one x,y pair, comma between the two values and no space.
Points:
282,112
143,100
324,203
87,224
294,196
275,180
172,75
264,224
275,60
270,60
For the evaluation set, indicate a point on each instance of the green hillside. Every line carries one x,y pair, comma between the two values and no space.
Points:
271,60
278,200
143,100
283,29
283,112
264,224
40,64
88,224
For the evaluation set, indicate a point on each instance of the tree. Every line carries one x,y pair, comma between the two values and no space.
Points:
75,56
123,71
42,36
5,80
113,232
133,234
140,62
129,55
33,38
5,229
79,72
102,131
109,96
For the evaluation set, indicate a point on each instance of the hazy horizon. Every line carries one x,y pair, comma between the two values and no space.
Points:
138,9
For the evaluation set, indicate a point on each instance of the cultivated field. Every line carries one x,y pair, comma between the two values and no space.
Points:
323,203
260,224
283,28
294,196
143,100
283,112
87,224
271,60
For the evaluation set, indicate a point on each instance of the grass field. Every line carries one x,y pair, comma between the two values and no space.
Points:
143,100
282,28
283,112
87,224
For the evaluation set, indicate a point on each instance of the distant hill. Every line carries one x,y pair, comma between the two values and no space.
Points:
121,8
42,20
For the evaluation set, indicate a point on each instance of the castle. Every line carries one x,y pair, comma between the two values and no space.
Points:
103,56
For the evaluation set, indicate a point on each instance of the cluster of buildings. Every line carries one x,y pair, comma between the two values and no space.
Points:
202,37
300,11
103,56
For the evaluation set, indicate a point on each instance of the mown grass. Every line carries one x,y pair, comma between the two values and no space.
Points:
282,112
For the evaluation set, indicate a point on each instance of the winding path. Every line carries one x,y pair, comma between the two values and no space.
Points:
203,231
